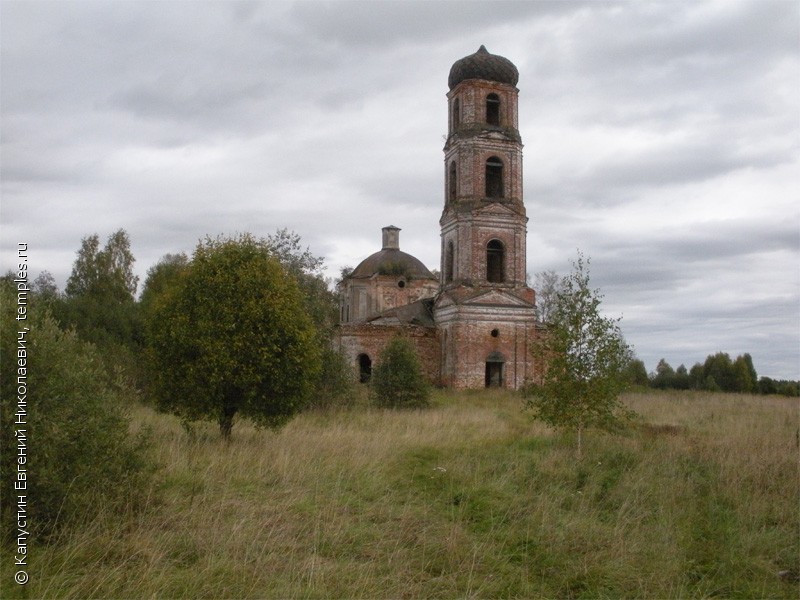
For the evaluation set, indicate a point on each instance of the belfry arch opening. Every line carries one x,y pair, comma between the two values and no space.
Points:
493,109
456,114
495,261
452,182
449,258
364,368
494,177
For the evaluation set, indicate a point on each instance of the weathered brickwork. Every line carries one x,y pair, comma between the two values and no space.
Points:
470,234
369,340
471,339
474,327
364,299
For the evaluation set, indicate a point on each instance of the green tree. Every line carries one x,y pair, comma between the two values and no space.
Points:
45,288
82,454
160,277
232,337
584,357
664,376
745,378
546,284
636,373
696,377
682,379
397,380
718,373
333,385
104,273
99,299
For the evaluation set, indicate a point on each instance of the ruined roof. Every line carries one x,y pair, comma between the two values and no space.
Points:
483,65
416,313
392,261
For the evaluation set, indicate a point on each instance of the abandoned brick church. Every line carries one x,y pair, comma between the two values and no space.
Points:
474,324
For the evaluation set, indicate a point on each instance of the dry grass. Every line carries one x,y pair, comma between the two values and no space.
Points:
468,499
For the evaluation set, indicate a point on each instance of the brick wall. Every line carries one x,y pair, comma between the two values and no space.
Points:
471,335
365,338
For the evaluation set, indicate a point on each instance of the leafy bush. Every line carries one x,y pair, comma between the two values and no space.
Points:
232,338
334,386
80,454
397,380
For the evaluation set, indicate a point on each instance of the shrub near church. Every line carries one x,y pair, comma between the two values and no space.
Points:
231,338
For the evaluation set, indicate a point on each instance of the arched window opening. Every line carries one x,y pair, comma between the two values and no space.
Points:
456,114
452,185
495,258
448,262
494,178
493,109
494,370
364,368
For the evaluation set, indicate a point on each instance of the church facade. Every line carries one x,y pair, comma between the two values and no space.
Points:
473,325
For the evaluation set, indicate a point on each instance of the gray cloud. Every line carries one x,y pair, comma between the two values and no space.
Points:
661,138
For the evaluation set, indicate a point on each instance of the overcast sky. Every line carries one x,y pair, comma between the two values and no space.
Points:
662,139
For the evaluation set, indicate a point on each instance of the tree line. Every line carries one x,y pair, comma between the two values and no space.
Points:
719,372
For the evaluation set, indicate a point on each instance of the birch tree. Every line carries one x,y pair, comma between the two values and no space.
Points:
585,357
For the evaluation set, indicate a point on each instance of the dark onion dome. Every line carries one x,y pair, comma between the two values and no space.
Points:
483,65
391,261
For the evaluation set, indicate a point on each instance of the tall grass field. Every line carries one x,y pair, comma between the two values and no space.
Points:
471,499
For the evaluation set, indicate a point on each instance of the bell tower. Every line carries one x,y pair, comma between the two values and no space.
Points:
483,223
485,309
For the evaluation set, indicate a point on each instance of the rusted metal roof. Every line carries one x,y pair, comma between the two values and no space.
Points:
483,65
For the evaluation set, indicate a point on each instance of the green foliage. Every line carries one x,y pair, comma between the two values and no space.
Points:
160,277
322,305
397,380
334,387
546,285
636,373
344,273
395,269
99,296
719,369
682,379
81,454
744,374
718,374
584,358
664,376
233,337
107,272
767,385
45,288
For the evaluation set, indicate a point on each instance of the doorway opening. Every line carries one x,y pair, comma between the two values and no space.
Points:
364,368
494,370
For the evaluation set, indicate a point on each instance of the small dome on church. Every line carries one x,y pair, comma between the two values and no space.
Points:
391,260
483,65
